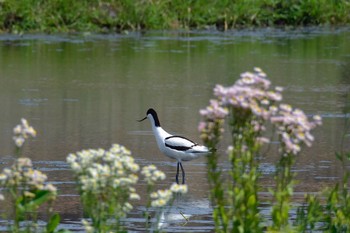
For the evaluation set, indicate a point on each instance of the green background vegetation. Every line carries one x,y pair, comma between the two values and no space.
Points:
117,15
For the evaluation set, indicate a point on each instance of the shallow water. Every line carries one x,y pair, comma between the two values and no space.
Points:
88,91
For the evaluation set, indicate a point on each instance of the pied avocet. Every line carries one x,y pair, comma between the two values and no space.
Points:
175,147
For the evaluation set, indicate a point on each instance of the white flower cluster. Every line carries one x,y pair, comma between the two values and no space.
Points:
178,188
22,176
152,174
108,176
22,132
98,171
87,226
162,197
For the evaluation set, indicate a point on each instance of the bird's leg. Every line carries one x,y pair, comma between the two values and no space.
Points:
177,173
183,174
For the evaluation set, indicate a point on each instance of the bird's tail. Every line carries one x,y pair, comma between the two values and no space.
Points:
203,150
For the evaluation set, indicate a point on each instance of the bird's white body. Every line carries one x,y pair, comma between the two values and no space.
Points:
175,147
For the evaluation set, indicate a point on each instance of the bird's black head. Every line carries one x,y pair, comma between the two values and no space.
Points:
153,113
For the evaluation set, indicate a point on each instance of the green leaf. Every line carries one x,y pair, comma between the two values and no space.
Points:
339,156
348,155
251,201
41,197
53,223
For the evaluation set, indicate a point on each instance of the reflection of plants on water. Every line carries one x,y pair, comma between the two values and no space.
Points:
160,199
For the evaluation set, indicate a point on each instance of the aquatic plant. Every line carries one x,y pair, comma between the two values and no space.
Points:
152,174
26,188
106,180
332,216
22,132
250,106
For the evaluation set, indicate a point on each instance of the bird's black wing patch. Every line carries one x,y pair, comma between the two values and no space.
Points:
179,143
179,148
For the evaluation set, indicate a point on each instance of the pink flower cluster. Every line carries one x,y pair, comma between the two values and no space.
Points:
214,116
294,128
251,99
250,92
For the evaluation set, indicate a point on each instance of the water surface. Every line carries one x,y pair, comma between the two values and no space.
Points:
88,91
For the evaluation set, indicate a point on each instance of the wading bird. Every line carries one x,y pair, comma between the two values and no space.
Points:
175,147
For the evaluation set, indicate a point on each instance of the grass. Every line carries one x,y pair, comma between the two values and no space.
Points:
118,15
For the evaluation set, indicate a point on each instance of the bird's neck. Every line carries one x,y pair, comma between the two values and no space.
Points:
159,133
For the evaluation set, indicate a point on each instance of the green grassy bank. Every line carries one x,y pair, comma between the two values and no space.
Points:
116,15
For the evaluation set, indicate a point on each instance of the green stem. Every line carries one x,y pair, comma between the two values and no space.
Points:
217,193
216,185
146,214
244,174
283,193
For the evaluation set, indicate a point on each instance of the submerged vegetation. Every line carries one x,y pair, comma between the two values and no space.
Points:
106,179
118,15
